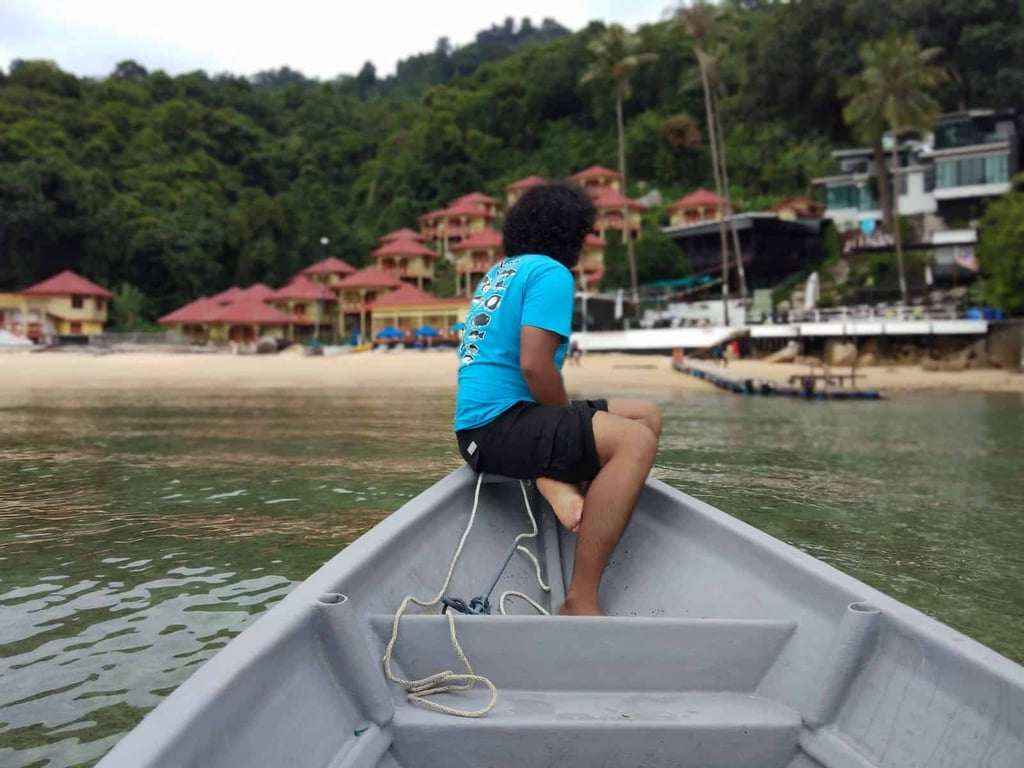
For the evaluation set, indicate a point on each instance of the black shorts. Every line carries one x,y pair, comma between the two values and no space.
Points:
529,441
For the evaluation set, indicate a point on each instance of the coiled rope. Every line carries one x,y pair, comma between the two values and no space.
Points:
419,691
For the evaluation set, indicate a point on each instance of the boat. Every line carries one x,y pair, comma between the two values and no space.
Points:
722,648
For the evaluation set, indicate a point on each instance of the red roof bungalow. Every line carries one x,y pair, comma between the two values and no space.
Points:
76,305
428,224
408,308
329,271
401,234
616,211
591,265
460,221
597,180
356,294
515,190
697,207
309,306
248,319
455,223
476,254
480,200
193,319
408,260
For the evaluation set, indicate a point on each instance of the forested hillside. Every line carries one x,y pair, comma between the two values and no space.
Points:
183,185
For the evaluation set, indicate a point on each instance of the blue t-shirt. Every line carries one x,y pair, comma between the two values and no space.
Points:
520,290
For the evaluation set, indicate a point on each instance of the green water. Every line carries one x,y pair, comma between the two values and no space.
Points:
140,532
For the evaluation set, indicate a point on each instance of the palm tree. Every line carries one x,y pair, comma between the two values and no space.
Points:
717,89
616,56
893,90
702,21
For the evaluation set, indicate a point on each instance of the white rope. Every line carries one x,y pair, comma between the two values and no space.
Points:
418,691
536,564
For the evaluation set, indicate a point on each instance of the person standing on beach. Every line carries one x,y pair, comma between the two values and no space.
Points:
512,414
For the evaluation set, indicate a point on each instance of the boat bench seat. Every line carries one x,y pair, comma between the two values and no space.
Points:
674,692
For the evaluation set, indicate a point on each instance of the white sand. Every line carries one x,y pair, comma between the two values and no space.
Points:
21,372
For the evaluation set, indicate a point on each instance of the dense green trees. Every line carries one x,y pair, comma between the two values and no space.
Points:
183,185
1001,251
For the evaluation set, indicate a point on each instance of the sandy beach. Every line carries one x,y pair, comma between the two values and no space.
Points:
598,373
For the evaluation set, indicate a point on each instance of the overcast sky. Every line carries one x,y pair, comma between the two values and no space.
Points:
320,38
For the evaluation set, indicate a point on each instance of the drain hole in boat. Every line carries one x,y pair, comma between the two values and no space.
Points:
863,608
332,598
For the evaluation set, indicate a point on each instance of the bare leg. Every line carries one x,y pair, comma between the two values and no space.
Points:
626,448
637,410
566,501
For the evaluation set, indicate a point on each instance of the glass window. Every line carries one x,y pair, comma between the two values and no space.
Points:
76,302
997,169
966,171
841,197
867,201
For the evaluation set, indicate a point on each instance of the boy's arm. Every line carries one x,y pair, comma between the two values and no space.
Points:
537,360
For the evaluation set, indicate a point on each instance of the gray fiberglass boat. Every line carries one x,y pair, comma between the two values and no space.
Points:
724,648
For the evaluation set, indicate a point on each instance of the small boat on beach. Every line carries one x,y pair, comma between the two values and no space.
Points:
722,648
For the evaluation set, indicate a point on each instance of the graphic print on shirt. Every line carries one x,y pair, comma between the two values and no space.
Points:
484,303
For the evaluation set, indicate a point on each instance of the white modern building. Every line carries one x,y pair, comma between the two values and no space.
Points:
975,154
967,159
850,195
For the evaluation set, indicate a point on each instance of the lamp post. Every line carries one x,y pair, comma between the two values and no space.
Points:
316,327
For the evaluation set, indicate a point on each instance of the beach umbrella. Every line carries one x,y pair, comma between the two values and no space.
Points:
459,327
812,292
426,330
389,332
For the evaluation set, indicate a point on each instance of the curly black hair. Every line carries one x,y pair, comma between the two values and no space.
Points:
550,219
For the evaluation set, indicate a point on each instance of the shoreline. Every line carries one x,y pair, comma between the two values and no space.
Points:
24,372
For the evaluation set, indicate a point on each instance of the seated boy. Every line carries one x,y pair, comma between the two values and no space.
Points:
512,414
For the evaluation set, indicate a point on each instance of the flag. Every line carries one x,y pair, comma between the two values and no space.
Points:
967,260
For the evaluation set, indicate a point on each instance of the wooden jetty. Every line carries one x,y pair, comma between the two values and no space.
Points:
809,387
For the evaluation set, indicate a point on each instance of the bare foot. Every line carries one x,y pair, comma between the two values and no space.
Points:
565,499
574,608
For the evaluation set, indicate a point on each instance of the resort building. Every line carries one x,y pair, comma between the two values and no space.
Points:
64,305
772,247
408,260
598,180
515,190
616,211
455,223
193,320
357,292
309,306
590,268
697,207
247,320
25,316
328,272
401,234
474,256
480,200
429,223
850,194
407,308
975,154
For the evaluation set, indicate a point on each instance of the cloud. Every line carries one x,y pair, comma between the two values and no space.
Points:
319,38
